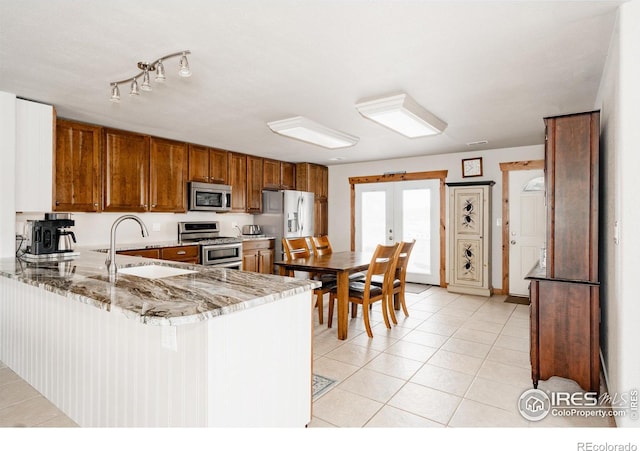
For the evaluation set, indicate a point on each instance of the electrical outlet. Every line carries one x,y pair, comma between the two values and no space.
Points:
155,227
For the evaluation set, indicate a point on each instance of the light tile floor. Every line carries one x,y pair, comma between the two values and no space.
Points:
456,361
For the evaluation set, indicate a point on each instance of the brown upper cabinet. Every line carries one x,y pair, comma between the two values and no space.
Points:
143,173
278,175
207,164
254,184
167,176
126,171
237,178
103,169
77,179
315,178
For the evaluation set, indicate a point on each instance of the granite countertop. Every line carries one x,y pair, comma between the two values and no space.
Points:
540,273
175,300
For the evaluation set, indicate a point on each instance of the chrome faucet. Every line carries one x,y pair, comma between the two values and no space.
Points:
111,257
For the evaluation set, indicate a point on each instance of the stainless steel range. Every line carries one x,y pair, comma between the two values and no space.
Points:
215,250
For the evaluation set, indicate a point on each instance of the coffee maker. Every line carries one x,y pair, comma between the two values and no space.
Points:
51,235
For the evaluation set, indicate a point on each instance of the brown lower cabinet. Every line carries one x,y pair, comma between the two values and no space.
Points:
565,331
146,253
257,255
185,254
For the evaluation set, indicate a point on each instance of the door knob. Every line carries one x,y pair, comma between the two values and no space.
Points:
513,241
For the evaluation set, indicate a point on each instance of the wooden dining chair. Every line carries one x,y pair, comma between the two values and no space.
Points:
298,247
365,293
321,245
399,277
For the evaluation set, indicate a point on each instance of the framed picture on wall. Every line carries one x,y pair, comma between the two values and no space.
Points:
472,167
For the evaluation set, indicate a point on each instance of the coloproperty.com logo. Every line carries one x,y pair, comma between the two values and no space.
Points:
535,404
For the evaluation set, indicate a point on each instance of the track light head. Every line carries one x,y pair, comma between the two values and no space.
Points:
134,88
184,66
115,93
146,86
160,77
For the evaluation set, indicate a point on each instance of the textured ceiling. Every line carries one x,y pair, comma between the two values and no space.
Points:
491,70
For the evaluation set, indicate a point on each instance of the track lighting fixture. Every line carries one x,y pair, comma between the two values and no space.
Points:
184,71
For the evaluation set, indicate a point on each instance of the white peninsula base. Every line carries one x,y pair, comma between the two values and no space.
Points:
250,368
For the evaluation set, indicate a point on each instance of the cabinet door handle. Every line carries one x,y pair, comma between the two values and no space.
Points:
57,202
154,206
95,204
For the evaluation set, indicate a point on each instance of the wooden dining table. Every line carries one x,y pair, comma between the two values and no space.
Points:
342,264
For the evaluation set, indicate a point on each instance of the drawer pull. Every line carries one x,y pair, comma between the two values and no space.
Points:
181,252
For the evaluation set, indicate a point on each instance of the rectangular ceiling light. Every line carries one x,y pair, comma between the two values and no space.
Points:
306,130
402,114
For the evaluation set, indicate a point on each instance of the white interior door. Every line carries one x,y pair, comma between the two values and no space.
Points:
527,226
402,211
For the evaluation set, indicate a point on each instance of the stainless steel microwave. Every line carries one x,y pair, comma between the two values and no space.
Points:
209,197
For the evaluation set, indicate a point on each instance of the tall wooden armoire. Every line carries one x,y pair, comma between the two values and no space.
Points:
565,305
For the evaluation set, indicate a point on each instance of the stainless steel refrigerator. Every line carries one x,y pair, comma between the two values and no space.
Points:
286,214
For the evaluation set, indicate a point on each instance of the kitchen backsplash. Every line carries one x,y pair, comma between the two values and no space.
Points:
94,228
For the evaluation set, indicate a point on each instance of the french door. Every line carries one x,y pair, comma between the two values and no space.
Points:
402,211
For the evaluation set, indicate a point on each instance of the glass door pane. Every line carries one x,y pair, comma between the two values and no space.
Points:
373,213
417,216
415,221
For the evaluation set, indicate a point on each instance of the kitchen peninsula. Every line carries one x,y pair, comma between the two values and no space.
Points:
210,347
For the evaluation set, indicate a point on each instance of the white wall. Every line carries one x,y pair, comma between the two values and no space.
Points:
339,189
608,104
93,229
7,174
619,100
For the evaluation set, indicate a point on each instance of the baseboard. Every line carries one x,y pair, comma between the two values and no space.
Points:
606,381
496,291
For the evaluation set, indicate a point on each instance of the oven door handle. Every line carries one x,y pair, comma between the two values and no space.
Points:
209,247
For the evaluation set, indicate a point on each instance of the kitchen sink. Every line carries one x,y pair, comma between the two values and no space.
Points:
154,271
